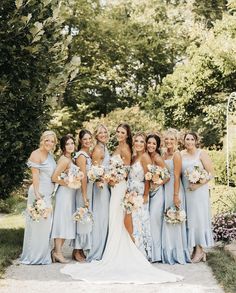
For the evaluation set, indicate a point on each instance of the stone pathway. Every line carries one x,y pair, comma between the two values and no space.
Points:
19,278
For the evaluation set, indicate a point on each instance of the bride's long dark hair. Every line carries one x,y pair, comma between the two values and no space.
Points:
129,134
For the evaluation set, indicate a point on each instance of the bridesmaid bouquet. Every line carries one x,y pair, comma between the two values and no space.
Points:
197,175
174,215
83,215
96,174
131,201
38,210
117,171
73,177
156,174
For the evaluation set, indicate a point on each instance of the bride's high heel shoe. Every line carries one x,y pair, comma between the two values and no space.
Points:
199,257
58,257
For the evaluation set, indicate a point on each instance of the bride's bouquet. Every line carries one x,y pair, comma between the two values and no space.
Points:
131,201
197,174
84,219
156,174
73,177
117,171
38,210
174,215
96,174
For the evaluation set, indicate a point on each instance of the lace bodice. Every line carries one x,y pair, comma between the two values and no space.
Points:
136,178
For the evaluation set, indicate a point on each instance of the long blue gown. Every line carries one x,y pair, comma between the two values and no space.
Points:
174,236
36,246
156,218
100,208
198,208
83,239
63,223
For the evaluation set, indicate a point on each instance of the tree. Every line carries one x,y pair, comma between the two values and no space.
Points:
33,67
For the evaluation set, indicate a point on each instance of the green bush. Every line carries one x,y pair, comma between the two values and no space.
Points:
138,120
219,161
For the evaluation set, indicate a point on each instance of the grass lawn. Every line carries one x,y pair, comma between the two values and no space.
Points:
224,269
11,237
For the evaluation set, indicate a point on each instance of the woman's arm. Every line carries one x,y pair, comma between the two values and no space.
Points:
62,166
145,161
35,158
81,163
177,172
208,166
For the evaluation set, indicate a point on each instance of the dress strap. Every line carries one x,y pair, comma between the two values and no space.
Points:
198,154
81,153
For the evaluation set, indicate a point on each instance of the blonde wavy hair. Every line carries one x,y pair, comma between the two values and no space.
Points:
175,133
45,134
97,130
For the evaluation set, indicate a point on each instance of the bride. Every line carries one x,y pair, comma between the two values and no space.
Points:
122,261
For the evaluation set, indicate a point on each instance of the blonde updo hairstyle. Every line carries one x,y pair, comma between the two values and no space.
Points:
143,135
97,130
45,134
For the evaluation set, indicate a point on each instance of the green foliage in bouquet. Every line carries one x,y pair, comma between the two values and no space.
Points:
34,68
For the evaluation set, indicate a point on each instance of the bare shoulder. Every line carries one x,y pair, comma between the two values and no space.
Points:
35,156
177,155
146,158
204,154
64,160
157,158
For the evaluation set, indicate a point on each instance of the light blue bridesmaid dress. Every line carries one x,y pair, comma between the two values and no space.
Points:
83,240
156,218
100,209
63,223
198,208
141,217
174,236
36,246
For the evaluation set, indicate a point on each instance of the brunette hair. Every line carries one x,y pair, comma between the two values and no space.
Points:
195,136
129,134
157,139
64,140
81,135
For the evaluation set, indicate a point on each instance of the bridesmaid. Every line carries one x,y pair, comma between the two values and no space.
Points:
101,197
174,237
36,248
83,241
197,199
138,222
63,223
156,205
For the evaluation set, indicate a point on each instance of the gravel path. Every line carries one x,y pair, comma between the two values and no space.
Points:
34,279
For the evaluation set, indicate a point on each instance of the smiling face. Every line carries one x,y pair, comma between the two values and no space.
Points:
190,142
102,135
170,141
151,145
139,144
48,143
121,134
86,141
70,146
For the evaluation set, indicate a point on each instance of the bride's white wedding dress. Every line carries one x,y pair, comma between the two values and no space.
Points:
122,261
